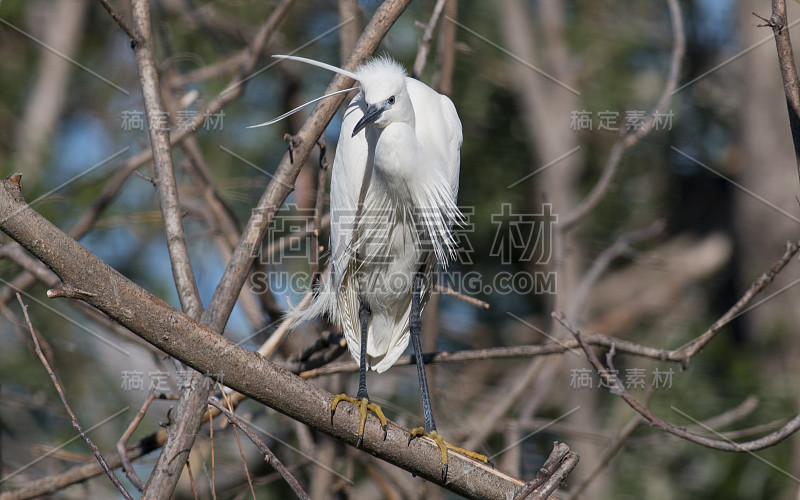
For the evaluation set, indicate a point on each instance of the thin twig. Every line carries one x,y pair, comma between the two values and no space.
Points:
60,390
268,348
466,298
134,39
122,444
790,427
213,461
522,351
685,353
268,455
425,41
238,442
191,478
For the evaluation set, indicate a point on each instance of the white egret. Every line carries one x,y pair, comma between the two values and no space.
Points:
393,205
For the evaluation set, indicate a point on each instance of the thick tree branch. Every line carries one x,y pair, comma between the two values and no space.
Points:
201,348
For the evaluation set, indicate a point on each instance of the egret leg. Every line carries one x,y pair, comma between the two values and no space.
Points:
362,398
415,325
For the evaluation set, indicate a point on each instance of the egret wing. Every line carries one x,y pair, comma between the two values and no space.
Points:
438,129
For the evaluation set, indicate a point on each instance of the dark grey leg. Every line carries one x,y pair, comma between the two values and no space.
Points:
415,325
363,318
362,399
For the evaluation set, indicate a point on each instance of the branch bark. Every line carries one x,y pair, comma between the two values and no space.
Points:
201,348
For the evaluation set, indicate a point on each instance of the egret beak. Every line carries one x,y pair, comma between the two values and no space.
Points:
372,114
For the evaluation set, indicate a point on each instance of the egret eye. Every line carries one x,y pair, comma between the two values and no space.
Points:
390,100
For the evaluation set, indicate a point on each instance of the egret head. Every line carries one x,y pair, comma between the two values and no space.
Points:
383,84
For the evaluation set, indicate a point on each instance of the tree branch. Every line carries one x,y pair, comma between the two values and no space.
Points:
92,447
790,426
268,455
554,470
121,22
201,348
425,41
779,23
162,160
80,473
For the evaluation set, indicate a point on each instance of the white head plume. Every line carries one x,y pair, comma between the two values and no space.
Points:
320,65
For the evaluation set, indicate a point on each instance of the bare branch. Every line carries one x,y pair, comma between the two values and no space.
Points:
268,455
558,477
446,51
121,22
685,353
122,444
75,423
790,427
425,41
162,159
779,23
554,470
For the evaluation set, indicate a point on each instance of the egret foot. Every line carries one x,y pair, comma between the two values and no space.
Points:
363,405
443,446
